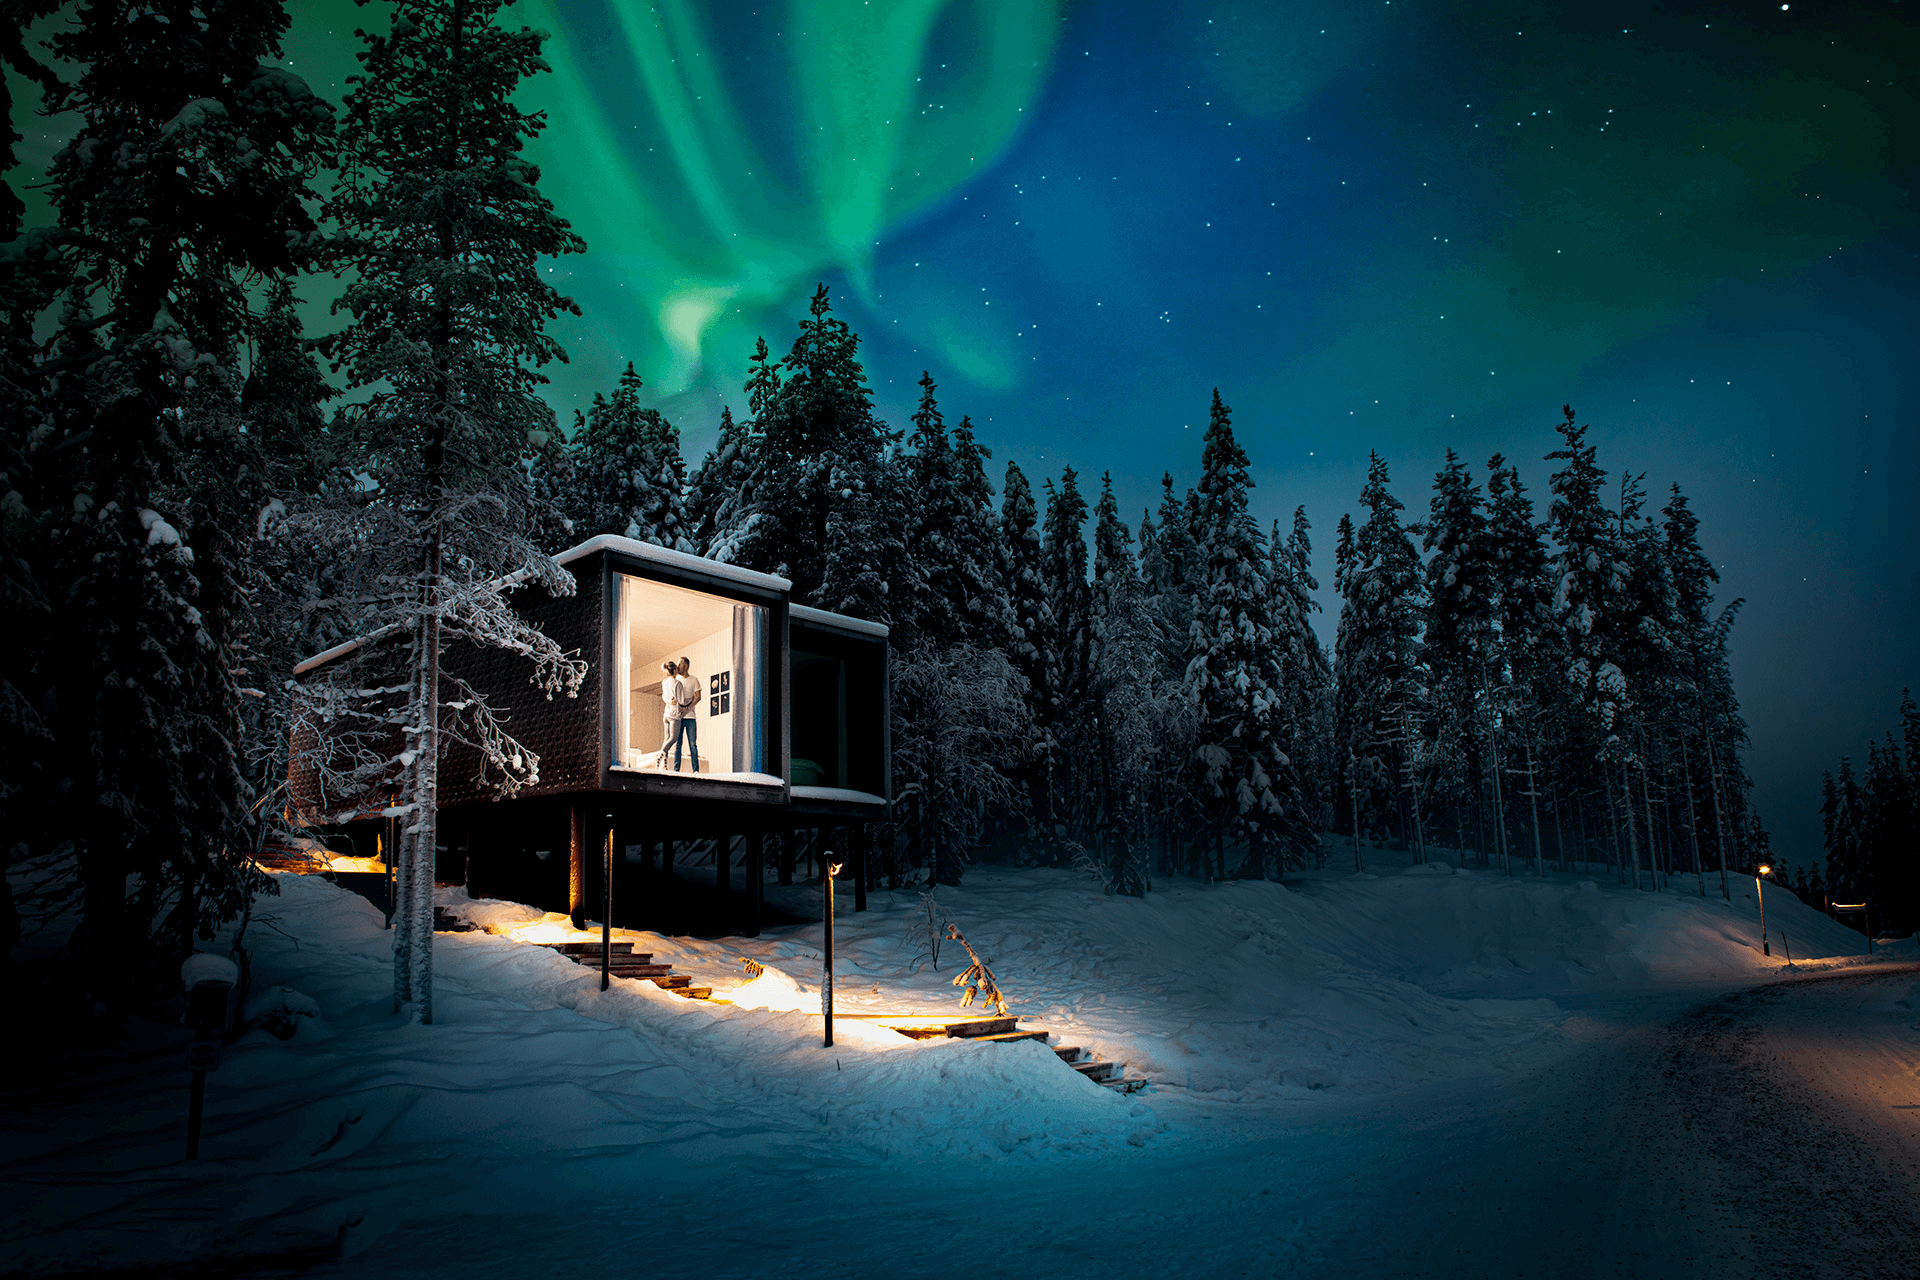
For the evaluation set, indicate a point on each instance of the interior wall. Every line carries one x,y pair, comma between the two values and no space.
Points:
710,655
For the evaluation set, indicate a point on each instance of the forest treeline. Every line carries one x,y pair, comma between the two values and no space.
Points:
188,512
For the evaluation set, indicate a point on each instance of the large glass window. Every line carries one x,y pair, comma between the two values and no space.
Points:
681,654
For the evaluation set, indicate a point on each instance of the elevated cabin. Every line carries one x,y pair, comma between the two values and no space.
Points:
791,735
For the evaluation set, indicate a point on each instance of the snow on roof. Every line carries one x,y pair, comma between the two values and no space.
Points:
837,793
836,621
713,569
676,559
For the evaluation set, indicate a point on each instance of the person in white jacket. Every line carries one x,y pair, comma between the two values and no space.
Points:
669,711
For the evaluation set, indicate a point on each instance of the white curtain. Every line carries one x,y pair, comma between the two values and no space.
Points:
749,689
620,668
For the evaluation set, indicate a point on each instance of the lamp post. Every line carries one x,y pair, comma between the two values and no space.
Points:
826,979
1762,870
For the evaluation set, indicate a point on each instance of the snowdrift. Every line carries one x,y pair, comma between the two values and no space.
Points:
333,1117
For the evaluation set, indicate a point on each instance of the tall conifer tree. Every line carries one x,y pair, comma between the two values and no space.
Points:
445,230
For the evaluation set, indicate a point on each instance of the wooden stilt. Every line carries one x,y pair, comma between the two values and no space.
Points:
577,866
756,874
858,835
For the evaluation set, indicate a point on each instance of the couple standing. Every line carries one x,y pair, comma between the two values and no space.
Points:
680,703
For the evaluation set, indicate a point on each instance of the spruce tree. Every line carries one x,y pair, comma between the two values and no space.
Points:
1171,562
1458,633
719,484
1378,673
1524,664
1301,671
818,506
621,473
445,229
1238,764
1063,701
188,177
1032,623
1592,572
1128,704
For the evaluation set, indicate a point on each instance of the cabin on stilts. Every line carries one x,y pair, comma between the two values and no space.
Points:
788,752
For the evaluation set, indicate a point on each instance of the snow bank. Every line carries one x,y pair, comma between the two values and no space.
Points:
1242,1002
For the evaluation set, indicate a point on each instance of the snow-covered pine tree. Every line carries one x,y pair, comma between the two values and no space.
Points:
621,473
1063,703
932,524
818,506
1170,561
985,609
1524,662
1131,706
444,229
1379,680
1239,766
1302,673
953,533
718,482
1591,572
1032,622
280,407
1691,578
1458,636
188,177
32,275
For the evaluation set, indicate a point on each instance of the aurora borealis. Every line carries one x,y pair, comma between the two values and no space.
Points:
1383,225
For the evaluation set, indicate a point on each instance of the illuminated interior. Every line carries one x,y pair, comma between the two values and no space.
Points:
725,645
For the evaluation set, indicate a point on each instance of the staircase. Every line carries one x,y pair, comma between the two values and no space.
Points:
1108,1075
623,962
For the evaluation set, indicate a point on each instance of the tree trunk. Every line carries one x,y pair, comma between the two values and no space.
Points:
1626,811
1693,825
1533,802
1719,820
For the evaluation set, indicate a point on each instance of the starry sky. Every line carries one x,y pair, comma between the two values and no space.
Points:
1392,225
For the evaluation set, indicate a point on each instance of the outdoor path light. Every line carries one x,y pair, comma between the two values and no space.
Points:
209,979
826,980
1762,870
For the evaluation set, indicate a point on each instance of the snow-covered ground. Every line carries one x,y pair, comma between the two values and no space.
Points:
537,1103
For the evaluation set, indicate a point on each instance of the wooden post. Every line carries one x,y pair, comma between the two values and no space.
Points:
606,913
383,850
756,873
828,867
577,866
858,834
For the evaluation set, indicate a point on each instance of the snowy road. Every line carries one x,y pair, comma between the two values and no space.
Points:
1773,1132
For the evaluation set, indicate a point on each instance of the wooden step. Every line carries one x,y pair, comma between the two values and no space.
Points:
693,993
974,1030
1013,1035
673,981
637,972
1094,1070
1120,1084
1068,1052
578,949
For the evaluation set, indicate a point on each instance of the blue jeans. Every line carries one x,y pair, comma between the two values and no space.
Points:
689,730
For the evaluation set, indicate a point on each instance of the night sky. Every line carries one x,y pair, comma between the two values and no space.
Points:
1395,226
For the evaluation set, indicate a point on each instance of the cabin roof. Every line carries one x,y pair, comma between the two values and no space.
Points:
836,621
711,569
676,559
